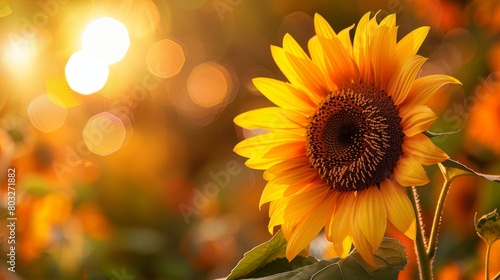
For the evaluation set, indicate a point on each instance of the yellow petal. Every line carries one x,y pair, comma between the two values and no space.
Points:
274,191
302,204
399,208
341,222
340,66
288,229
292,47
287,151
258,146
421,148
309,73
408,172
409,45
389,21
362,245
383,48
425,87
294,208
292,175
361,44
417,119
284,95
279,56
318,58
262,163
371,215
404,77
345,38
276,211
309,227
271,192
272,118
311,76
322,27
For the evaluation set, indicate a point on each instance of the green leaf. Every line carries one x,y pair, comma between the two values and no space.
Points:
390,258
456,169
260,256
431,134
282,265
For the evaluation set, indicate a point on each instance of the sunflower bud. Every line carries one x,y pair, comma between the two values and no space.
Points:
488,226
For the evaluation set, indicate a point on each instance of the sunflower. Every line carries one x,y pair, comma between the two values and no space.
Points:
346,135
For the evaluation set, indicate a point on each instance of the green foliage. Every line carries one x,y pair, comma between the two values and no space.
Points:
267,262
456,169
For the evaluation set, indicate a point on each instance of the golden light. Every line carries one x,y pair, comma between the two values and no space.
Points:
104,134
143,18
86,73
45,115
107,39
116,8
19,55
165,59
5,9
207,85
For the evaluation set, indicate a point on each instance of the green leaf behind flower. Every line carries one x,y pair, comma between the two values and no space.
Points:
431,134
390,258
456,169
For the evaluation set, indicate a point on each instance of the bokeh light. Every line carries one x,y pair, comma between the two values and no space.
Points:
19,54
107,39
115,8
191,4
45,115
208,84
85,73
165,59
5,9
104,134
59,92
143,18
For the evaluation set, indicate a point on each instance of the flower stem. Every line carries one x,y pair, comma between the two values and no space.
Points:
431,249
487,263
424,263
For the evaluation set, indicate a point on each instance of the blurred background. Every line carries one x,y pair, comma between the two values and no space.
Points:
124,165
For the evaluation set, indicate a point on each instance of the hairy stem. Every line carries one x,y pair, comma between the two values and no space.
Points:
424,263
431,248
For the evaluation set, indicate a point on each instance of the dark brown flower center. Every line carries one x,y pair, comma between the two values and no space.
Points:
354,138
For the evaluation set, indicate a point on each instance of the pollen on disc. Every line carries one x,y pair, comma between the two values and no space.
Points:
104,134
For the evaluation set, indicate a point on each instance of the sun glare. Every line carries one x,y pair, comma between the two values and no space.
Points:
86,73
107,39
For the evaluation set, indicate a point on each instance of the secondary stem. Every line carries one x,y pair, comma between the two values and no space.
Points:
487,263
424,263
431,249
